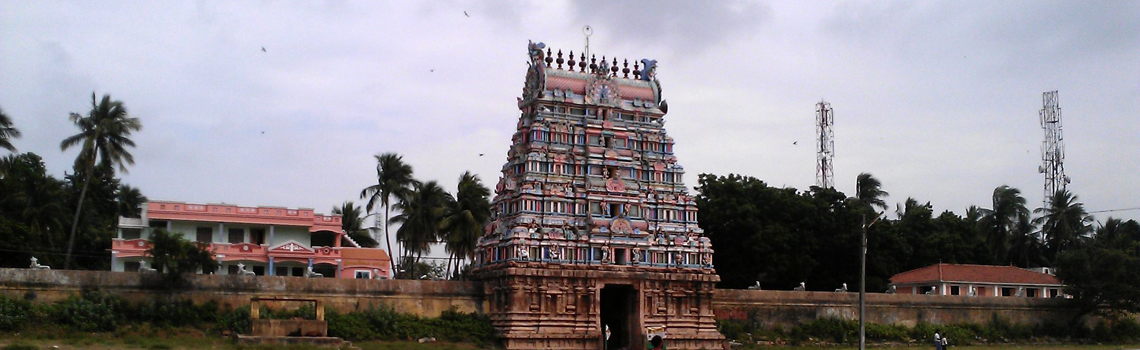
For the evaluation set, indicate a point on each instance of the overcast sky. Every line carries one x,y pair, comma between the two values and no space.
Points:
939,100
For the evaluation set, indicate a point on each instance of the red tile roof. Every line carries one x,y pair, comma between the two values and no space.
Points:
973,273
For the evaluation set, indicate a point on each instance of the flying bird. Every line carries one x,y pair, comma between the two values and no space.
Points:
480,154
263,49
795,142
433,70
465,14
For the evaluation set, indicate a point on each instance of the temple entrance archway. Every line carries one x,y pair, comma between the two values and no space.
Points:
618,307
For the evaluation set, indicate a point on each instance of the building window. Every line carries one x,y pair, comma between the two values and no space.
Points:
237,235
1007,292
158,224
1053,292
131,266
204,235
231,270
132,233
363,274
257,235
954,290
281,271
1032,293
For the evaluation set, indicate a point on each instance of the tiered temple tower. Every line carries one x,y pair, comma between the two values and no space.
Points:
592,229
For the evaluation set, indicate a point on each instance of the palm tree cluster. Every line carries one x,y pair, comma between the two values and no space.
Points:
1008,230
427,214
71,220
781,236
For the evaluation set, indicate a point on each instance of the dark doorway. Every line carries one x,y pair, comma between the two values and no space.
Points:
618,306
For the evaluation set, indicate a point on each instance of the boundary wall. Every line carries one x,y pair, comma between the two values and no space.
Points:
424,298
789,308
430,298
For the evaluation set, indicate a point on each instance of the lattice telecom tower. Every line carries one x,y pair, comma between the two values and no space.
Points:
1053,148
824,145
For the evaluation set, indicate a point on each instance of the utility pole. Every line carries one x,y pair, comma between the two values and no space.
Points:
863,283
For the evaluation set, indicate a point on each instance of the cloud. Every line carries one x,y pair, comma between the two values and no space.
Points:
682,26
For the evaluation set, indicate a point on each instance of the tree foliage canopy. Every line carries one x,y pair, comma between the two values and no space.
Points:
174,256
780,237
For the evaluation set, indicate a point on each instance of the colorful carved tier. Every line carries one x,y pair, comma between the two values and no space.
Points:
591,217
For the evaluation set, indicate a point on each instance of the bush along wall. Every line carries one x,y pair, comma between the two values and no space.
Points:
751,333
95,311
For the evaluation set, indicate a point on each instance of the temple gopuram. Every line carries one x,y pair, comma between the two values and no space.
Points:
594,242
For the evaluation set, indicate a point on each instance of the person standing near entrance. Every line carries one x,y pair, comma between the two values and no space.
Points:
656,343
937,340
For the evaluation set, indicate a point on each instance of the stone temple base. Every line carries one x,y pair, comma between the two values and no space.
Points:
541,306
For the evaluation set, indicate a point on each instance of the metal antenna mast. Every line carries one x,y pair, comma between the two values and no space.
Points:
1053,148
824,145
587,31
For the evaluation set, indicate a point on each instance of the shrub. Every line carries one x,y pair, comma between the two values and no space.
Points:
234,320
92,312
384,323
19,346
14,313
1126,330
834,329
175,313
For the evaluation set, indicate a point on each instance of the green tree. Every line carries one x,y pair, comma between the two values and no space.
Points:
129,201
32,208
393,180
466,218
761,234
174,256
1063,222
7,132
103,139
869,192
421,217
1001,222
1025,249
1101,276
1118,233
352,223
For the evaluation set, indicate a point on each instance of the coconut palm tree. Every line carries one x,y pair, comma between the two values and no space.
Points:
352,223
129,201
1025,248
999,223
103,138
393,180
1118,233
869,192
421,217
466,217
1063,222
7,132
911,208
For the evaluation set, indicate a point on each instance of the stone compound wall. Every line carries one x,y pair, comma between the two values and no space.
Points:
425,298
789,308
430,298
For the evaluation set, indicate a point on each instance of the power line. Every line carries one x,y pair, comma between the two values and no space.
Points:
1112,210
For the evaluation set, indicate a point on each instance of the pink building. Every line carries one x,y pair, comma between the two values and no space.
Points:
271,241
